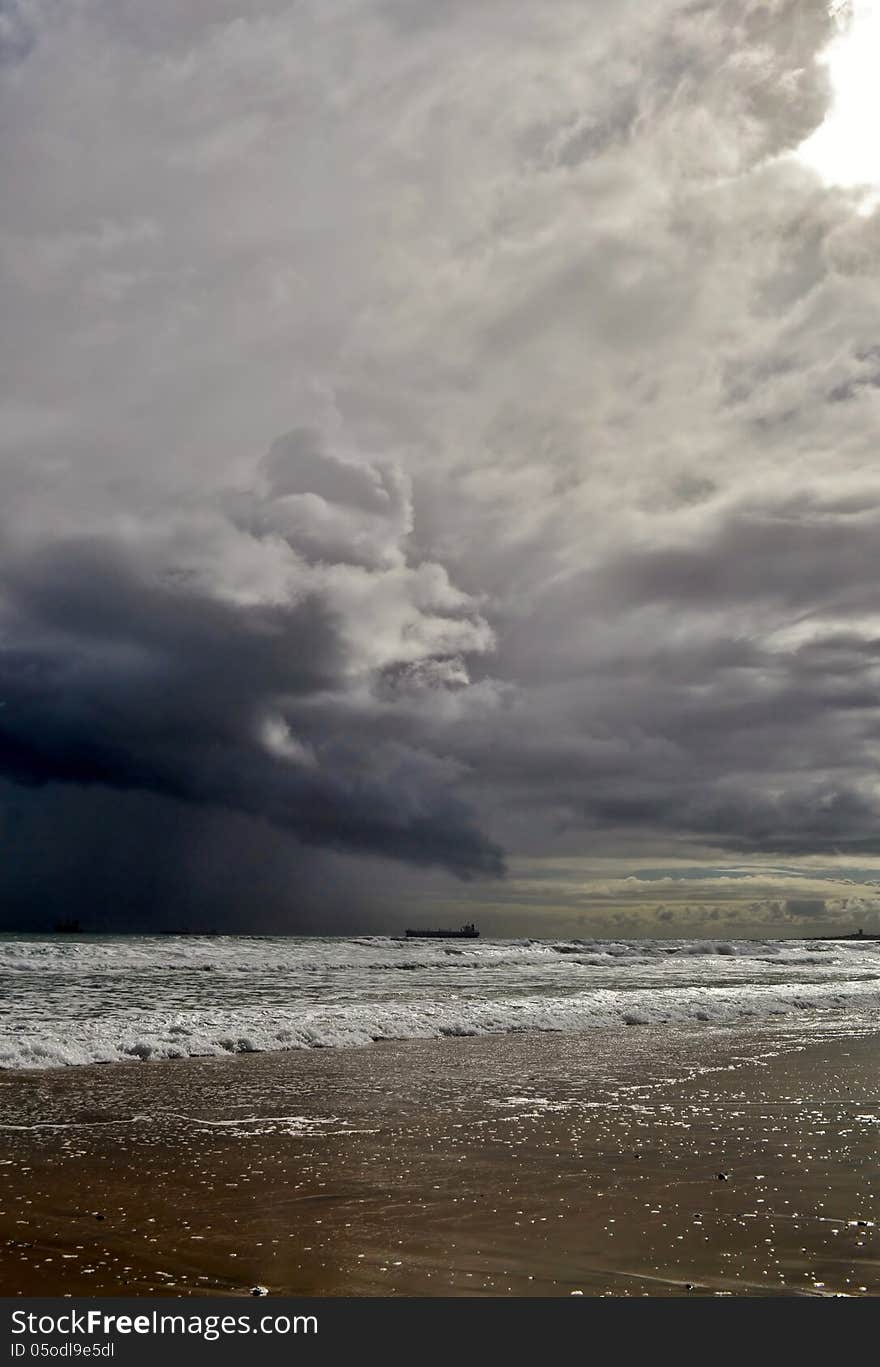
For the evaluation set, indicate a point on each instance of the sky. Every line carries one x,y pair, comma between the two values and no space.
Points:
438,470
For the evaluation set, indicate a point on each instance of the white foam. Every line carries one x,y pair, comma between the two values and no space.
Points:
198,1033
76,1000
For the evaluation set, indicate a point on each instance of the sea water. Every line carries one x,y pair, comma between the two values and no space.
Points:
67,999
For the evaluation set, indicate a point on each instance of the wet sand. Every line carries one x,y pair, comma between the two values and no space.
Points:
533,1165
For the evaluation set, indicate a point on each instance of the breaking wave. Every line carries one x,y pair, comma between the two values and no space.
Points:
82,1000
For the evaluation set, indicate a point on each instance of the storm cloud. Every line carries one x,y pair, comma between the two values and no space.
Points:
433,440
226,668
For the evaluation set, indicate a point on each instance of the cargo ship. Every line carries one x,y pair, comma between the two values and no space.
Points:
468,932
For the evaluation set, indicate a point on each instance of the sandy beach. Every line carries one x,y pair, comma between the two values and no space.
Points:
626,1163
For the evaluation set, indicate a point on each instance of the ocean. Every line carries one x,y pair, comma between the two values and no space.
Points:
69,1000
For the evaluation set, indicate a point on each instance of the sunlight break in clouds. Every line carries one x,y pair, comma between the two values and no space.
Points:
845,149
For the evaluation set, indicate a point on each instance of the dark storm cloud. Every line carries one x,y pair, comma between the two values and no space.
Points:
764,760
648,714
123,674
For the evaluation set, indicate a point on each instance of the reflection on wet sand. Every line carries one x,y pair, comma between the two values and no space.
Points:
627,1163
